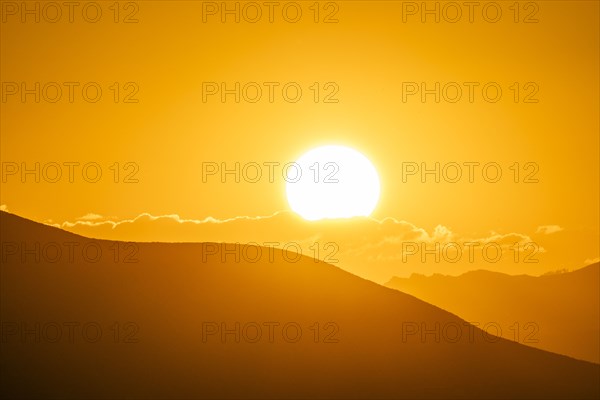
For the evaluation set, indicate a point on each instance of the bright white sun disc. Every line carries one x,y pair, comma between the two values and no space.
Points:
332,182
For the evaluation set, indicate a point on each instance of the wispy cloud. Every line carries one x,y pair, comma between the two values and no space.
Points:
589,261
548,229
373,248
360,237
90,217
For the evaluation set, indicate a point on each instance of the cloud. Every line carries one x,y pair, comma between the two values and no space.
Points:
90,217
548,229
589,261
368,245
375,249
3,207
359,234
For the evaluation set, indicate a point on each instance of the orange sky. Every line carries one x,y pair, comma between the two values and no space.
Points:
368,55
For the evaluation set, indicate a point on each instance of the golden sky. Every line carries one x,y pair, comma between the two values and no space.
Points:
169,51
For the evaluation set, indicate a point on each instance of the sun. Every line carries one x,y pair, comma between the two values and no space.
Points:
332,182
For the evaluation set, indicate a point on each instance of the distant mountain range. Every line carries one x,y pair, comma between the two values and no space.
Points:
556,312
84,318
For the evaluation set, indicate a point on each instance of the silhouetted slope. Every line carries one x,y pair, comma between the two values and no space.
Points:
562,310
170,292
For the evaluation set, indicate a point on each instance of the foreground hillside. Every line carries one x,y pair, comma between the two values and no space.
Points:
100,319
558,312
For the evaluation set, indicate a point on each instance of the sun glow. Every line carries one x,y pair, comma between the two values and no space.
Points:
332,182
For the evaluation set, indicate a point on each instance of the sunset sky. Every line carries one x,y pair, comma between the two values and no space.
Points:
370,57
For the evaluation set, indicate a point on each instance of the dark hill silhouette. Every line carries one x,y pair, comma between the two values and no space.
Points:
168,294
562,309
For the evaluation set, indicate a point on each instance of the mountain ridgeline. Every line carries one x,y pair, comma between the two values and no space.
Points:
85,318
555,312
